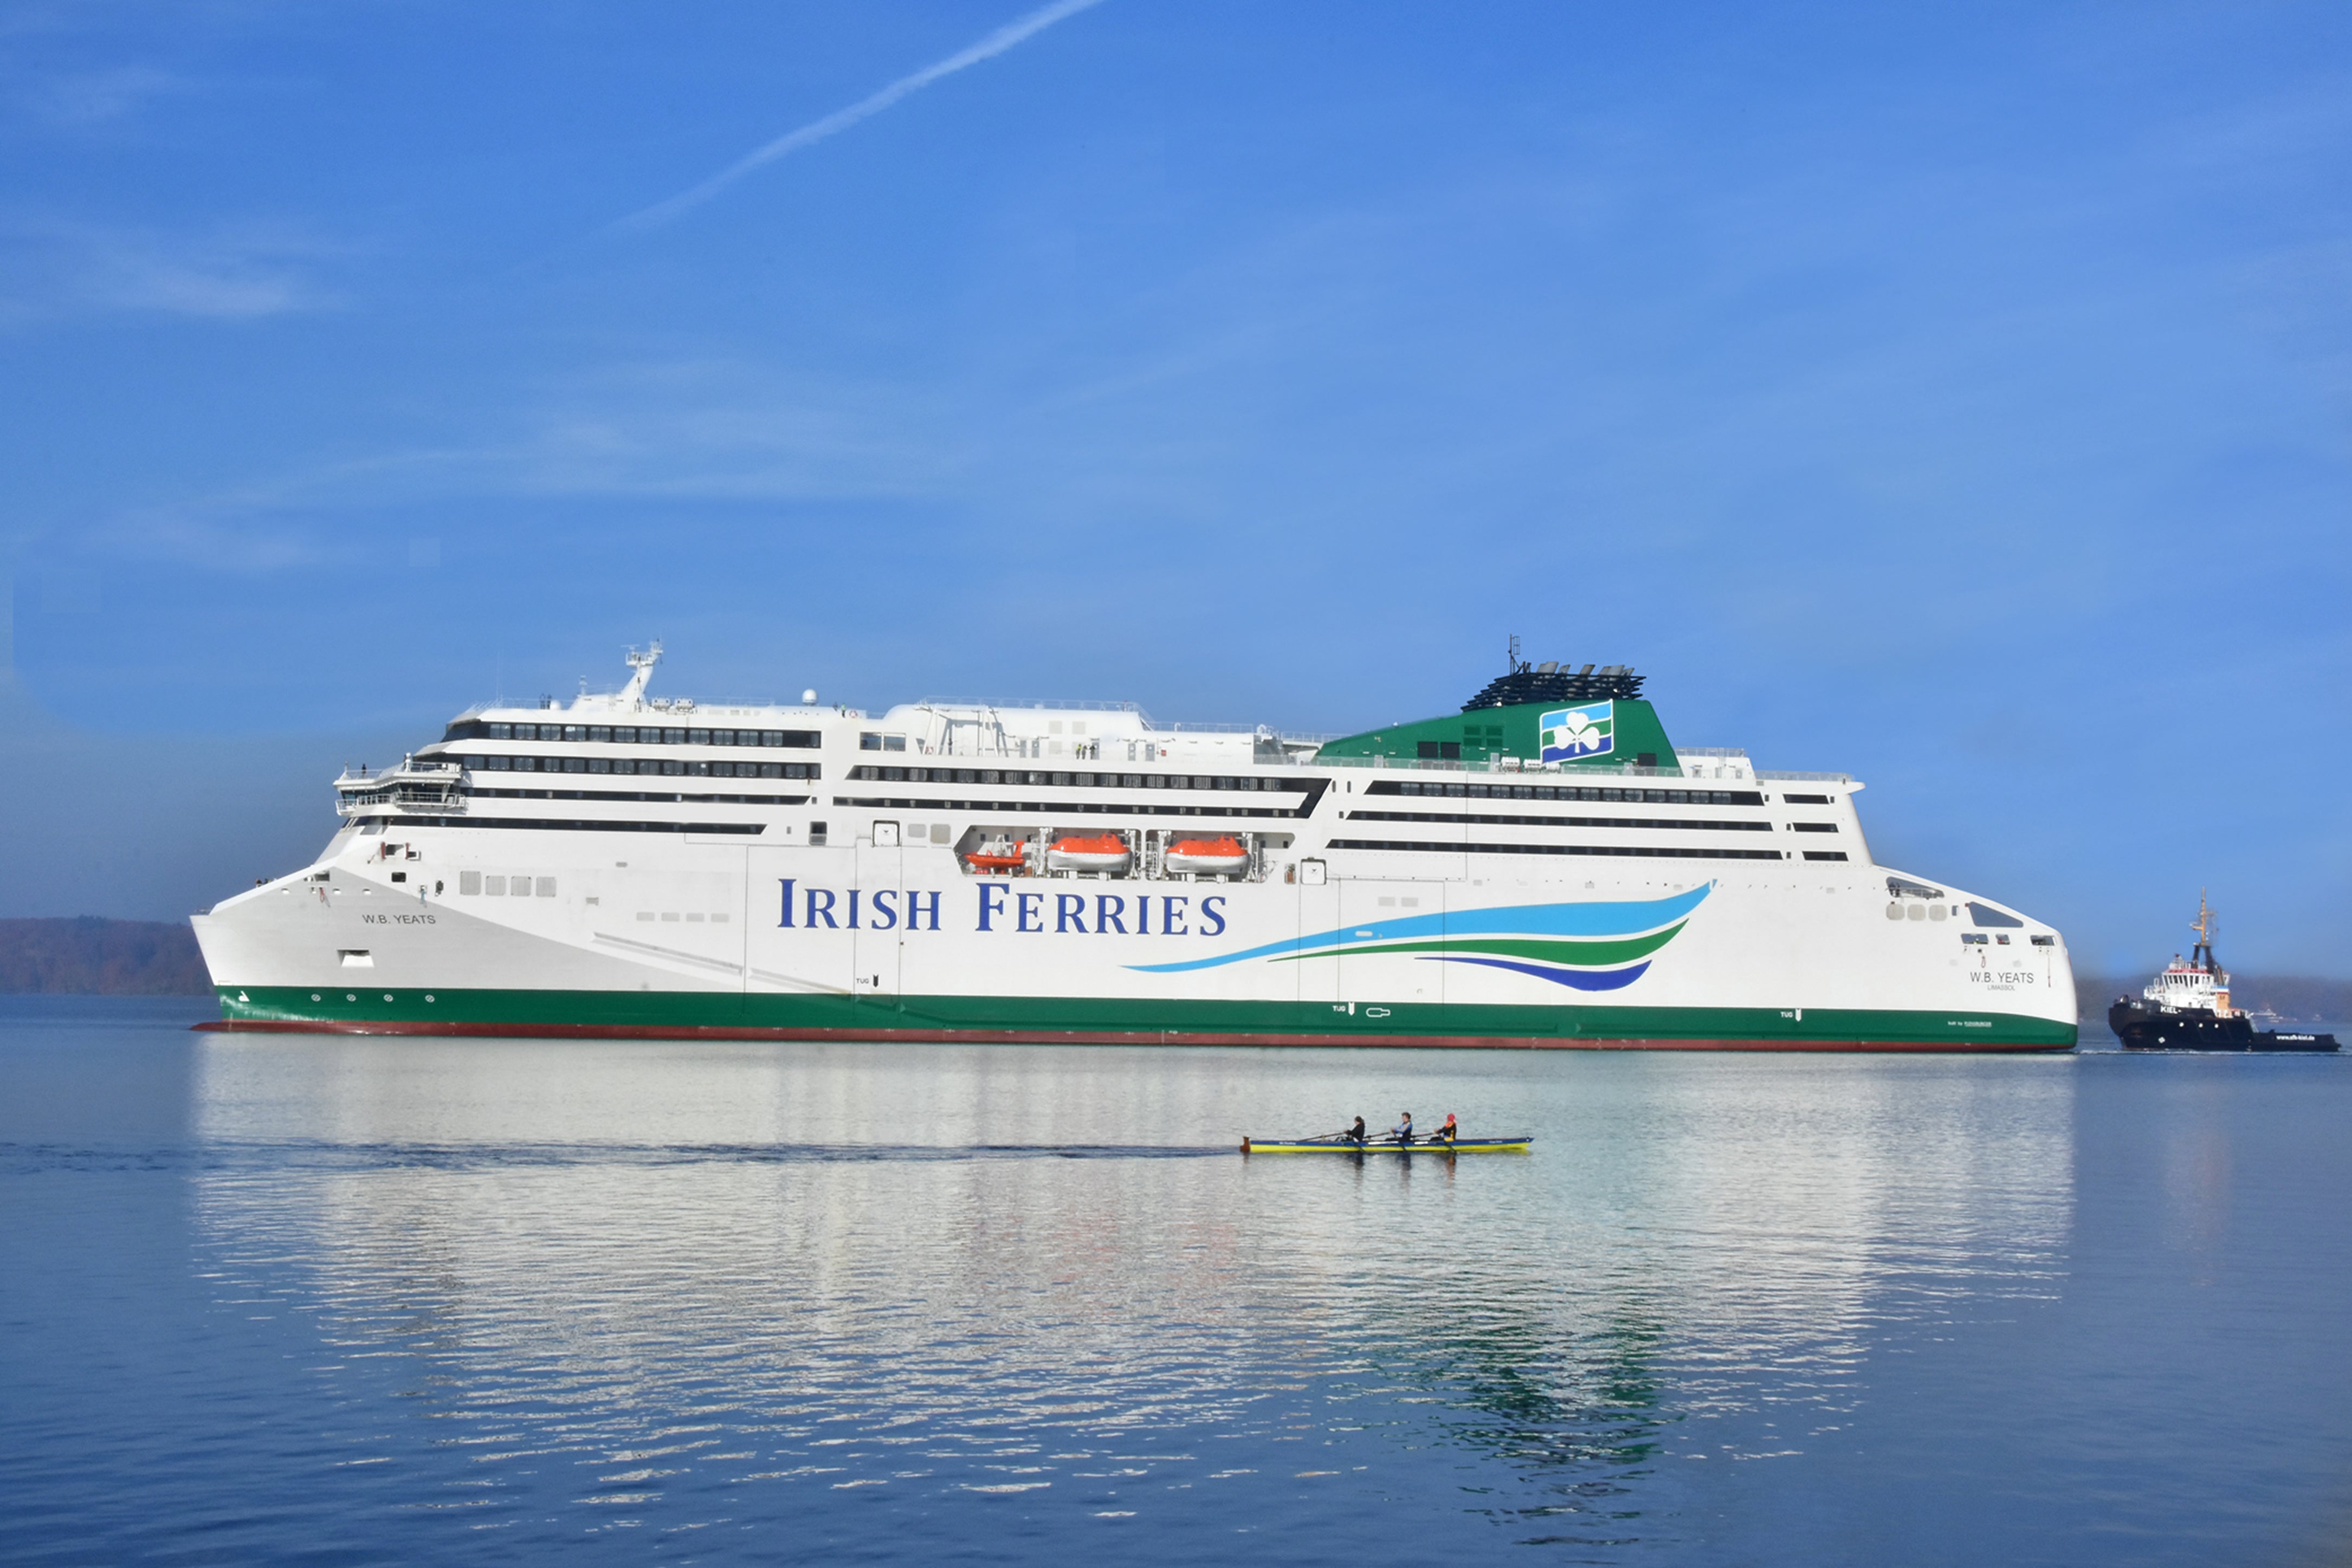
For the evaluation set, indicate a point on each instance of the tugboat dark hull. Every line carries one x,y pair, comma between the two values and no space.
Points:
2145,1027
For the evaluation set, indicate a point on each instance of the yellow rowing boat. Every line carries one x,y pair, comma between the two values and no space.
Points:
1336,1145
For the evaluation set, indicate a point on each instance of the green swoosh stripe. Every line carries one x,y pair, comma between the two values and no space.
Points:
1583,955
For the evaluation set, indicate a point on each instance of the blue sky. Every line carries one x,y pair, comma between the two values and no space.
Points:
1958,398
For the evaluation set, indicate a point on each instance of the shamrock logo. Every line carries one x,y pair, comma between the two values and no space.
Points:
1578,733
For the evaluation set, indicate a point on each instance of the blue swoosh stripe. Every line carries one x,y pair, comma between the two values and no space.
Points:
1583,979
1623,919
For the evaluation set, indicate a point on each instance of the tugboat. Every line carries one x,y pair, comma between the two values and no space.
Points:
2187,1008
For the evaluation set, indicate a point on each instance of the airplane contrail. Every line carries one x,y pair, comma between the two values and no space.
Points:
841,119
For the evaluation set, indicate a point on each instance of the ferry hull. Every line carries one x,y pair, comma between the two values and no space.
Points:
1103,1022
1367,962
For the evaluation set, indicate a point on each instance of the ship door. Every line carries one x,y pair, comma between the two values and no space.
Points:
1321,1007
877,934
1387,991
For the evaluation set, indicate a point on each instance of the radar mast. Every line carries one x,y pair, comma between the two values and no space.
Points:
2206,923
641,664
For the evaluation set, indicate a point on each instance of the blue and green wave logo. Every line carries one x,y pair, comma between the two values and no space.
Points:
1590,947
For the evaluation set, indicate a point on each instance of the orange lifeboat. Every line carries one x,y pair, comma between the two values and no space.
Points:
1207,857
1098,853
998,857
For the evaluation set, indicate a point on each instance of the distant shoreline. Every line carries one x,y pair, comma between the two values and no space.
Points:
89,955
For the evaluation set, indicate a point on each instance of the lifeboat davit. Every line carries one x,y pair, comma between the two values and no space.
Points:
1207,857
1102,851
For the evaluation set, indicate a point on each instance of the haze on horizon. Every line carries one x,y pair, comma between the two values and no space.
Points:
1959,400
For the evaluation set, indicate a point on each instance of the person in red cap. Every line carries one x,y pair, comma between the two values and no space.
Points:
1446,1133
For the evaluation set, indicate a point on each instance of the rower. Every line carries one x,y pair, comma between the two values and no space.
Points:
1402,1130
1355,1134
1447,1133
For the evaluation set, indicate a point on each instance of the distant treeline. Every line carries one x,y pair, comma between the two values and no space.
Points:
87,956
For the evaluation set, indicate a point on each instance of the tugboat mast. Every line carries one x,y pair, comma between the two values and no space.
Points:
2201,955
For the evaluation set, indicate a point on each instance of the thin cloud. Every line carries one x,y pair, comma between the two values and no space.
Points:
50,268
89,99
816,131
710,431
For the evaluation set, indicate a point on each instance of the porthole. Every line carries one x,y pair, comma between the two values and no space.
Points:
350,997
1918,912
428,995
1936,912
314,996
1894,912
387,996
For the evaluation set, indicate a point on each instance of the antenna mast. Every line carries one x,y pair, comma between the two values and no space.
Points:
642,666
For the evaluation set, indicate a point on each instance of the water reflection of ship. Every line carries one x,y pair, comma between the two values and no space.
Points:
1553,1407
1529,1384
1581,1357
1558,1335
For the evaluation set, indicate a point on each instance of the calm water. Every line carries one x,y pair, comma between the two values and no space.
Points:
351,1301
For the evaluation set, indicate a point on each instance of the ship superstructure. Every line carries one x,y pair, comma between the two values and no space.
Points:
1544,868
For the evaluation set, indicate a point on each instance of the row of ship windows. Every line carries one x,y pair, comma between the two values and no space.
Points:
631,795
1901,908
490,885
634,735
547,825
666,767
1075,780
474,884
1627,850
1090,807
1580,821
1578,792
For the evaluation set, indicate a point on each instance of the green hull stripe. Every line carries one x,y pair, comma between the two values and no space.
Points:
450,1010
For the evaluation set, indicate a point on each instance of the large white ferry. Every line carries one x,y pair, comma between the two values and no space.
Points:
1544,868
